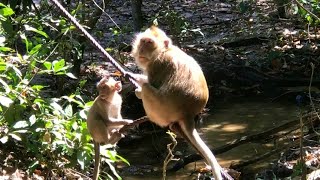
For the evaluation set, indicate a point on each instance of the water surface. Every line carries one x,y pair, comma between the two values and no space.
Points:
228,120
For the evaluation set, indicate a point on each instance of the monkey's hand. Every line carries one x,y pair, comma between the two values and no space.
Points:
139,78
138,92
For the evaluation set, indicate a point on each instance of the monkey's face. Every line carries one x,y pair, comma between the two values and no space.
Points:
108,86
148,45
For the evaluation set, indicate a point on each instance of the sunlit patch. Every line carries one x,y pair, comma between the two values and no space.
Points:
234,127
226,127
288,33
269,145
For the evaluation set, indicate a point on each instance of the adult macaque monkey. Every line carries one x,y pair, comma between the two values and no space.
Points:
104,118
173,89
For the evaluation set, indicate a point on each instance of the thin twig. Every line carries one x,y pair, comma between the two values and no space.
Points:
170,156
303,164
103,10
95,43
309,12
310,97
80,174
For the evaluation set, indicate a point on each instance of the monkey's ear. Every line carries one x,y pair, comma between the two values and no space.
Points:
167,43
118,86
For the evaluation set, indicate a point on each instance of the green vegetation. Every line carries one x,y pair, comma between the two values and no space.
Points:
48,131
43,105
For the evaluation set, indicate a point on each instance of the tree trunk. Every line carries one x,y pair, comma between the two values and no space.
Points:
136,14
282,7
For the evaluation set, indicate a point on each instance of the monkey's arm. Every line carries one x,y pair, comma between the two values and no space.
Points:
117,122
136,122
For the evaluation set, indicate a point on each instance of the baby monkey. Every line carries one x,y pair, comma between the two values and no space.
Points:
104,117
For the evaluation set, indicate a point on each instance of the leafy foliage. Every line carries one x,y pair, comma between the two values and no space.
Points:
309,10
52,131
177,24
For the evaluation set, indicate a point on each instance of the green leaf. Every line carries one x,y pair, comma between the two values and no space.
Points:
58,135
70,75
47,65
56,106
34,164
5,85
2,5
37,87
58,65
2,40
113,169
309,18
3,66
5,101
89,104
20,124
23,37
82,83
80,98
35,49
4,139
75,126
123,159
6,11
16,70
21,131
68,110
83,158
111,155
62,22
32,119
59,142
29,28
83,114
15,136
7,26
5,49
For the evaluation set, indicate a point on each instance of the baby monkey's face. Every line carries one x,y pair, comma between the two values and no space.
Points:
108,86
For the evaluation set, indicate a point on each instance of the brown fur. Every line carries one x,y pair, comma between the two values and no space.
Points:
104,118
174,89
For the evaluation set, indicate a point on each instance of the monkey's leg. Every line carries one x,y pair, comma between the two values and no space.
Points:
175,127
115,137
96,160
161,107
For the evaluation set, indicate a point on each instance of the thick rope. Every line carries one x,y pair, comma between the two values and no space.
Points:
95,43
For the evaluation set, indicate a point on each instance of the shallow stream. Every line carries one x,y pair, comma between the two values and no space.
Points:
228,120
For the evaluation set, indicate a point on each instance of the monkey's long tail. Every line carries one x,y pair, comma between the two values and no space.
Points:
195,140
95,43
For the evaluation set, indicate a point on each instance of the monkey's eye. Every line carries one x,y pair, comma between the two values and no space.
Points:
147,40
